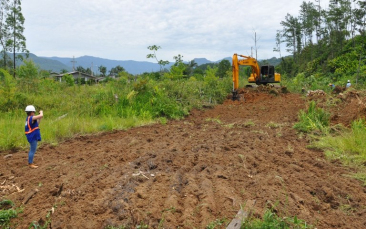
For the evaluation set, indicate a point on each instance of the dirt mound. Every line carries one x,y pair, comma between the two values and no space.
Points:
188,173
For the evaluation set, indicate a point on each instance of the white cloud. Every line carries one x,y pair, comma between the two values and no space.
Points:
123,30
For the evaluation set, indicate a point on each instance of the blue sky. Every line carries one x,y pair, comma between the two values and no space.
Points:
123,29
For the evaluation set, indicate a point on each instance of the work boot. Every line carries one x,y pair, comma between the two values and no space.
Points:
33,166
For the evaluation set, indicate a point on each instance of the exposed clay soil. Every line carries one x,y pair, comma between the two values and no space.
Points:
190,172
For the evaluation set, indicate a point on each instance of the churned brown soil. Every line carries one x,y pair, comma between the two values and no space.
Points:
190,172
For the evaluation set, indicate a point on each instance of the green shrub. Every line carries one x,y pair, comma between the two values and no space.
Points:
7,214
313,119
271,220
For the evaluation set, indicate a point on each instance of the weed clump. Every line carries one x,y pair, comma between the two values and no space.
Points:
7,213
313,119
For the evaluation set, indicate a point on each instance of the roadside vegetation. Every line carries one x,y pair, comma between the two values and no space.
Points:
73,109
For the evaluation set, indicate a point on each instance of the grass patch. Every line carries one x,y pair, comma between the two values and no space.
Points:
218,223
314,119
7,212
360,176
217,120
348,146
271,220
248,123
272,125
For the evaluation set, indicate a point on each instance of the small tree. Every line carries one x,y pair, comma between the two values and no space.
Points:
69,79
178,59
28,73
102,69
80,69
161,63
191,66
116,70
4,34
14,26
224,67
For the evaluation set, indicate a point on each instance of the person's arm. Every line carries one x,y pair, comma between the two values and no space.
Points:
38,117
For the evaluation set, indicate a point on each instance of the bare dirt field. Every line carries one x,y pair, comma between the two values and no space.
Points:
188,173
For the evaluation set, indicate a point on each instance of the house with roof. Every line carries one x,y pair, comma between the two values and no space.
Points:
79,76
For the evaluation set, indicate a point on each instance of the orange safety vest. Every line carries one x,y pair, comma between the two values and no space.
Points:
30,128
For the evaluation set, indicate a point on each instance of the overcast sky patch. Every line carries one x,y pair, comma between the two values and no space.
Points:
122,30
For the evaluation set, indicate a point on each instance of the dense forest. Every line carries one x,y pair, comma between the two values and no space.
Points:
327,45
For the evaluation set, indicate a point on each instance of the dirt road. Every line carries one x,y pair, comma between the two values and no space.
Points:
188,173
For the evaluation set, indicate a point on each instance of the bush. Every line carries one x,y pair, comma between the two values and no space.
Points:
6,214
271,220
313,119
116,104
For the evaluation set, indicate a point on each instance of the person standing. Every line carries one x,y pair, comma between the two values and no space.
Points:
348,84
32,132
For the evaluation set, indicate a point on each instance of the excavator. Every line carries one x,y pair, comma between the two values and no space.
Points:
259,75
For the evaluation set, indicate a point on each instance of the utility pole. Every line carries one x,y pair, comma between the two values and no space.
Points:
255,39
73,63
92,71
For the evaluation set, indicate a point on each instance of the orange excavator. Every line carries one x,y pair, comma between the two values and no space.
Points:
259,75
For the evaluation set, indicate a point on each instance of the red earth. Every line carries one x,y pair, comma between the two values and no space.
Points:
188,173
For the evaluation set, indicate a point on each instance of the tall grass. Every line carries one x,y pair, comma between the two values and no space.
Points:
348,146
83,109
313,119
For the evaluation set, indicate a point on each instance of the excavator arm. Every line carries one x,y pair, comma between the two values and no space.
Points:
248,61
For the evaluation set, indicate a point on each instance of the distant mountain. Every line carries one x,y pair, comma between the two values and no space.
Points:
56,64
46,64
131,66
201,61
273,61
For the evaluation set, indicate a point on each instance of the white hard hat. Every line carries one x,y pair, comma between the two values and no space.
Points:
30,108
348,81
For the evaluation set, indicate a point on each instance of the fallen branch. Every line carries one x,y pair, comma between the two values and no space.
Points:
140,173
242,215
30,196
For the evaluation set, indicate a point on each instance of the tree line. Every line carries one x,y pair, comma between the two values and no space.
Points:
12,39
317,34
